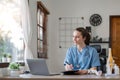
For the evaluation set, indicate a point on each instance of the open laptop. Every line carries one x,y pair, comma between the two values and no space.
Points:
38,67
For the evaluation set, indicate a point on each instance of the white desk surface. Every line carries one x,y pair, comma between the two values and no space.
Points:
61,77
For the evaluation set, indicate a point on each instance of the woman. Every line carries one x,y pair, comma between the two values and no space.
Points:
81,56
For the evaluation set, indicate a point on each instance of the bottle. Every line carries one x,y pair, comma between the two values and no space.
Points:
116,68
113,69
108,70
110,62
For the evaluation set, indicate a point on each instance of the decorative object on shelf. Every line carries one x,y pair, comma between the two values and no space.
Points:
14,69
96,39
88,28
95,20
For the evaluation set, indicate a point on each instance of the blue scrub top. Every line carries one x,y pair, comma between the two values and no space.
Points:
85,59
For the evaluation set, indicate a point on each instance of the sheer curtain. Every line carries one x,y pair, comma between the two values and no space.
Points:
27,31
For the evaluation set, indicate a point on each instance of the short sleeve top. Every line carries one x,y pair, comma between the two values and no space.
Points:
85,59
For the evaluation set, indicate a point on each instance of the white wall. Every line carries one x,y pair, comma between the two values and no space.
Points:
73,8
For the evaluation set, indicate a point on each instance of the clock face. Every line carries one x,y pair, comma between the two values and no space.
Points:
95,20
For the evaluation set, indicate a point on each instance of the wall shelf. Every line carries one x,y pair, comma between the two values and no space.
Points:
4,64
100,42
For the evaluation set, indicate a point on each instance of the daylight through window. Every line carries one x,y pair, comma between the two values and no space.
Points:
11,33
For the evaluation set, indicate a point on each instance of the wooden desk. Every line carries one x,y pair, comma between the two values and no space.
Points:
62,77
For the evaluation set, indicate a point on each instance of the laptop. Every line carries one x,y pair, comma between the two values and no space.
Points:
38,67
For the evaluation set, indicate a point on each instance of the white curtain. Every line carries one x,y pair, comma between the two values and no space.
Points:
27,31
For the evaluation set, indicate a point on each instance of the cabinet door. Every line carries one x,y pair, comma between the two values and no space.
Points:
115,38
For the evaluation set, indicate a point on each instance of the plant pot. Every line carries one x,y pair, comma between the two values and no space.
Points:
4,59
9,59
14,73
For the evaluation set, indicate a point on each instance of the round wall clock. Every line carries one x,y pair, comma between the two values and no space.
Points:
95,20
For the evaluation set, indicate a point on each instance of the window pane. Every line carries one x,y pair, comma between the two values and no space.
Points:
38,16
38,46
11,33
41,46
41,33
38,32
41,19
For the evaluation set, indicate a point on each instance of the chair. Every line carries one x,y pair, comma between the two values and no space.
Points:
102,55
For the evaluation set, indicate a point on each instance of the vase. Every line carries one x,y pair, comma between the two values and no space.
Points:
14,73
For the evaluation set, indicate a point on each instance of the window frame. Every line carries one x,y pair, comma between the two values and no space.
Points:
42,11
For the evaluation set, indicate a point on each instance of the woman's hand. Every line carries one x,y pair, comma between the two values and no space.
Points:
68,67
82,72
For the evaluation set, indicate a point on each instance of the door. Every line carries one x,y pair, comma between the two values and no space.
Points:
115,38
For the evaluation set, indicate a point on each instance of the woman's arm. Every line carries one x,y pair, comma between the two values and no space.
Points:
93,68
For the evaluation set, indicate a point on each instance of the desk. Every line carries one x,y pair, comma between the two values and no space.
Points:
62,77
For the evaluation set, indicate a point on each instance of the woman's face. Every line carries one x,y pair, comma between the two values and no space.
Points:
78,38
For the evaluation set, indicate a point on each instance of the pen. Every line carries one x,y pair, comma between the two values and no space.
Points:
70,67
67,63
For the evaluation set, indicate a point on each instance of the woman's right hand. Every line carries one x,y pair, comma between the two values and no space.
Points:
68,67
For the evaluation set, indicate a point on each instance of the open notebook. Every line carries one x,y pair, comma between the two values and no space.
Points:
38,67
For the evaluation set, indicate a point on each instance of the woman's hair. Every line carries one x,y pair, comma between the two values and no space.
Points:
85,34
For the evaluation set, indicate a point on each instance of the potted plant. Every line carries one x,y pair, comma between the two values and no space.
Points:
4,57
9,58
14,69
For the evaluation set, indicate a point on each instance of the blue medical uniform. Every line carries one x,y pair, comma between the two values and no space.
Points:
81,60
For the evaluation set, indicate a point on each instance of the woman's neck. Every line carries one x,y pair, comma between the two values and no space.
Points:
81,46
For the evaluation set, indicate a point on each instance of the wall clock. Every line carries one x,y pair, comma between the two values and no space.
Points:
95,20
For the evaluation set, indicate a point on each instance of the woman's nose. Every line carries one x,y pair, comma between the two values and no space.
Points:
74,39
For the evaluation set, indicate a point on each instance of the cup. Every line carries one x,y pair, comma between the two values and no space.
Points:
22,69
99,73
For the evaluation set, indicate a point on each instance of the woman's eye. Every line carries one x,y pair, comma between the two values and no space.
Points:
77,37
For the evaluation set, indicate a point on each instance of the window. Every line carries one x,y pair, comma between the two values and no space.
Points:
11,33
42,13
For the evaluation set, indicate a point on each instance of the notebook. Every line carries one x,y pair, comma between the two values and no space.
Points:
71,72
39,67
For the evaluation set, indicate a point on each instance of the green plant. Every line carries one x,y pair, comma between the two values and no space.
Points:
14,65
4,55
9,56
